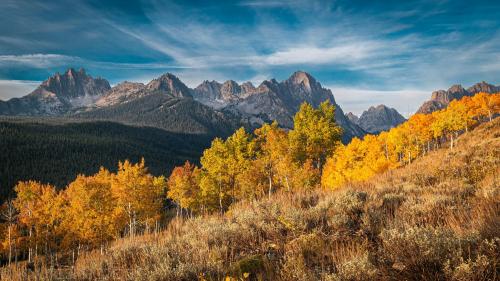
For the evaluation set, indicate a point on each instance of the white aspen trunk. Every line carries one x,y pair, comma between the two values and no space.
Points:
220,197
10,243
270,185
287,184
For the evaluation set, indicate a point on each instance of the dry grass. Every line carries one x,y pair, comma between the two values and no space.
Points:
437,219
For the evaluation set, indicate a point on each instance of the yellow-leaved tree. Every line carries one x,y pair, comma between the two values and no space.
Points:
184,188
315,134
40,212
90,210
139,196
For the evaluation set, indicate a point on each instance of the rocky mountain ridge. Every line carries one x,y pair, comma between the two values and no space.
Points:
58,95
271,100
441,98
166,102
377,119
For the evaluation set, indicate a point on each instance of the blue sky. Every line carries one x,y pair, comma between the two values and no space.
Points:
367,52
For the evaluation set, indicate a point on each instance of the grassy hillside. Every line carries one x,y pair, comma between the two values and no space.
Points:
55,150
435,219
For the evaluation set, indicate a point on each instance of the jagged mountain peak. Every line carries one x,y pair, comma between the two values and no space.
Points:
378,118
301,77
483,87
171,84
456,88
73,83
59,94
380,107
352,117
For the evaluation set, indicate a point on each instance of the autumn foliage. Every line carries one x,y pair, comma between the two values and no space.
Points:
422,133
89,213
250,166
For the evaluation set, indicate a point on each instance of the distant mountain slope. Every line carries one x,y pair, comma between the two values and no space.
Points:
377,119
55,150
165,103
180,115
441,98
58,95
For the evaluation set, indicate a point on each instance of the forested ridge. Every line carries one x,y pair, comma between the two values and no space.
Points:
265,205
56,150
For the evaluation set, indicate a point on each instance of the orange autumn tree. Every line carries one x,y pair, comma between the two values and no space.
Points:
184,188
8,229
359,160
139,196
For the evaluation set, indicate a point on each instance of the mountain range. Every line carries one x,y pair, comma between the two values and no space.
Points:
166,102
212,108
441,98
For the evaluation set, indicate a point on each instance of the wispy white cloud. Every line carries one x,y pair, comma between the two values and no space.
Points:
341,54
266,4
38,60
56,60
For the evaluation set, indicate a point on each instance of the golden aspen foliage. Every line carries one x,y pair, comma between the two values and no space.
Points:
315,134
222,164
361,159
215,182
139,196
90,209
40,212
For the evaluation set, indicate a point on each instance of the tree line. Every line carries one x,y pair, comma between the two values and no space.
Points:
93,210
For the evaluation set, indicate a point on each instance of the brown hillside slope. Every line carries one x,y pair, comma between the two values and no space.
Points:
436,219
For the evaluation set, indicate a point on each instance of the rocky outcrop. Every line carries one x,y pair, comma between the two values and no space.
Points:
441,98
352,117
169,84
